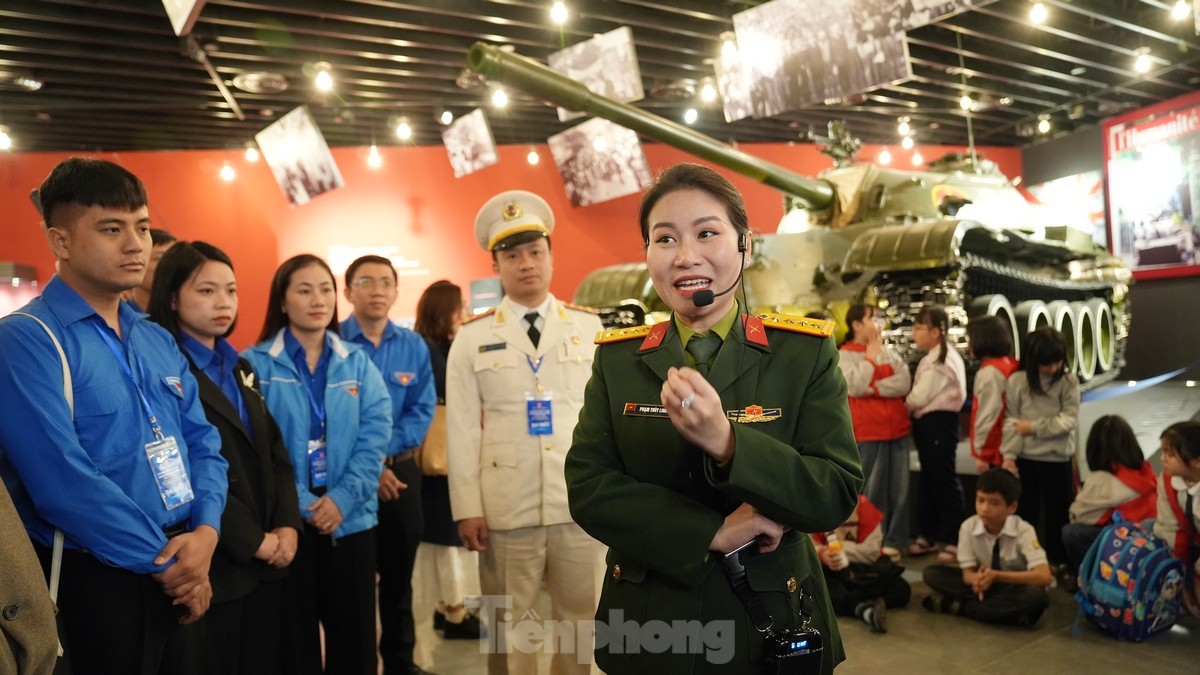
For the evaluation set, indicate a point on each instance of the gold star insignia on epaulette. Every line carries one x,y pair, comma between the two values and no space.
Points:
619,334
798,324
480,316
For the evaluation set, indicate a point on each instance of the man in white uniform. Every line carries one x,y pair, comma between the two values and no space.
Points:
514,388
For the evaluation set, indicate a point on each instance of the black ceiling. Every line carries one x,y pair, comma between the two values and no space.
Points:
115,77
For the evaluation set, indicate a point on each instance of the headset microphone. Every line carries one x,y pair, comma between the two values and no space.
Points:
705,298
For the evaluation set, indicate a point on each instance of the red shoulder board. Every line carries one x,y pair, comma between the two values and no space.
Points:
755,331
655,337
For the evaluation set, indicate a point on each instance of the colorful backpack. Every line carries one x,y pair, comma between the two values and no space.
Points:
1130,585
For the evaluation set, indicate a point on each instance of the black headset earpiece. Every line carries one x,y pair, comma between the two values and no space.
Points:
742,242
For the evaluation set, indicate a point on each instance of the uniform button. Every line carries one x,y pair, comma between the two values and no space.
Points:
547,446
616,574
10,612
495,366
791,584
495,464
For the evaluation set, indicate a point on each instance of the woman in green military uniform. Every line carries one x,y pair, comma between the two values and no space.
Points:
683,455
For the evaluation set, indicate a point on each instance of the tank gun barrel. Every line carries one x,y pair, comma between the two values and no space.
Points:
533,77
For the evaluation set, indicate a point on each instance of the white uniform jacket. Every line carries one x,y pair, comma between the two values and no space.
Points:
497,470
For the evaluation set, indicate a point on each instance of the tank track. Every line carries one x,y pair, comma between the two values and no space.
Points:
905,292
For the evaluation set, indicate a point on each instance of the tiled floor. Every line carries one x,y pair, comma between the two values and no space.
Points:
920,642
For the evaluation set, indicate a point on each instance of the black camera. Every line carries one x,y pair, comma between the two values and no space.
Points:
795,651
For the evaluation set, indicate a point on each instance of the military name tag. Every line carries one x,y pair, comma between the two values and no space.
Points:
754,413
493,347
644,410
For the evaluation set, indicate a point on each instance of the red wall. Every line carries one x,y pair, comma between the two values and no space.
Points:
413,202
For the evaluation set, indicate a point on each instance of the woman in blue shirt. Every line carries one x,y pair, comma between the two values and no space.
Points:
195,298
333,409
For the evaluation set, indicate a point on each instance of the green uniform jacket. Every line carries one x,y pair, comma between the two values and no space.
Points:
657,500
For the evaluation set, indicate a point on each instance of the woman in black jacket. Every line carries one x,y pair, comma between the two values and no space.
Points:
195,298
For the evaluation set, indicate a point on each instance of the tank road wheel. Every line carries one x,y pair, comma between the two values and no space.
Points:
1085,341
1106,335
1062,319
998,306
1031,315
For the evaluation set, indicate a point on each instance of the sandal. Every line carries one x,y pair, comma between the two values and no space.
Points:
948,554
921,546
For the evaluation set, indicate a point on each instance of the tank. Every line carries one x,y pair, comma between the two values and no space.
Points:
958,234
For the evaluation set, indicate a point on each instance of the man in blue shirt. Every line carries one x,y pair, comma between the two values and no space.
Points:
132,474
403,360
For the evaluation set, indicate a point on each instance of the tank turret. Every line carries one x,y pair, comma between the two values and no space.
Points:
958,234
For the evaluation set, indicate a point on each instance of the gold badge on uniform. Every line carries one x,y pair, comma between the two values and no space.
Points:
511,211
754,413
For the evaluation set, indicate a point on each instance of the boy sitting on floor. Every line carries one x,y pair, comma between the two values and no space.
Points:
862,581
1003,567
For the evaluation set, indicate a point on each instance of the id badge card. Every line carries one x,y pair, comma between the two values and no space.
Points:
166,462
318,471
538,413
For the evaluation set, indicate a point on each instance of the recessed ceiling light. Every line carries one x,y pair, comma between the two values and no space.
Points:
261,82
1078,70
558,13
1037,14
1181,10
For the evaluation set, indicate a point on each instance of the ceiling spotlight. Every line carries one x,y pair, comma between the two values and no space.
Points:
499,98
558,13
903,127
917,159
729,48
227,173
885,157
1181,10
965,102
251,152
1037,13
690,116
404,130
6,141
446,117
1043,125
324,77
374,159
1142,63
906,142
708,93
533,157
27,83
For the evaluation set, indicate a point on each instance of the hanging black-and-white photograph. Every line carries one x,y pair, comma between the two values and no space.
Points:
917,13
733,84
299,157
606,64
797,53
599,161
469,143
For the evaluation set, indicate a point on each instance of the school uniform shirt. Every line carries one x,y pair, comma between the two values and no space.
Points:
1054,415
1168,526
358,424
876,390
91,477
403,360
1019,546
1132,492
938,387
657,500
987,408
498,470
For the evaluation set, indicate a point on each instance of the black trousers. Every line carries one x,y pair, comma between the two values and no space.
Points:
114,622
331,583
939,495
243,636
1046,494
847,588
1003,603
397,538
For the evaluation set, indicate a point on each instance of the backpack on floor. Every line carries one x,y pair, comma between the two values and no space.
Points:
1129,584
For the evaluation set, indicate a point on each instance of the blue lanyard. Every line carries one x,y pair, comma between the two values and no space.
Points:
535,368
121,359
317,407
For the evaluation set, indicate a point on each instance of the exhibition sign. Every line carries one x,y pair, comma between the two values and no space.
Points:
1152,157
